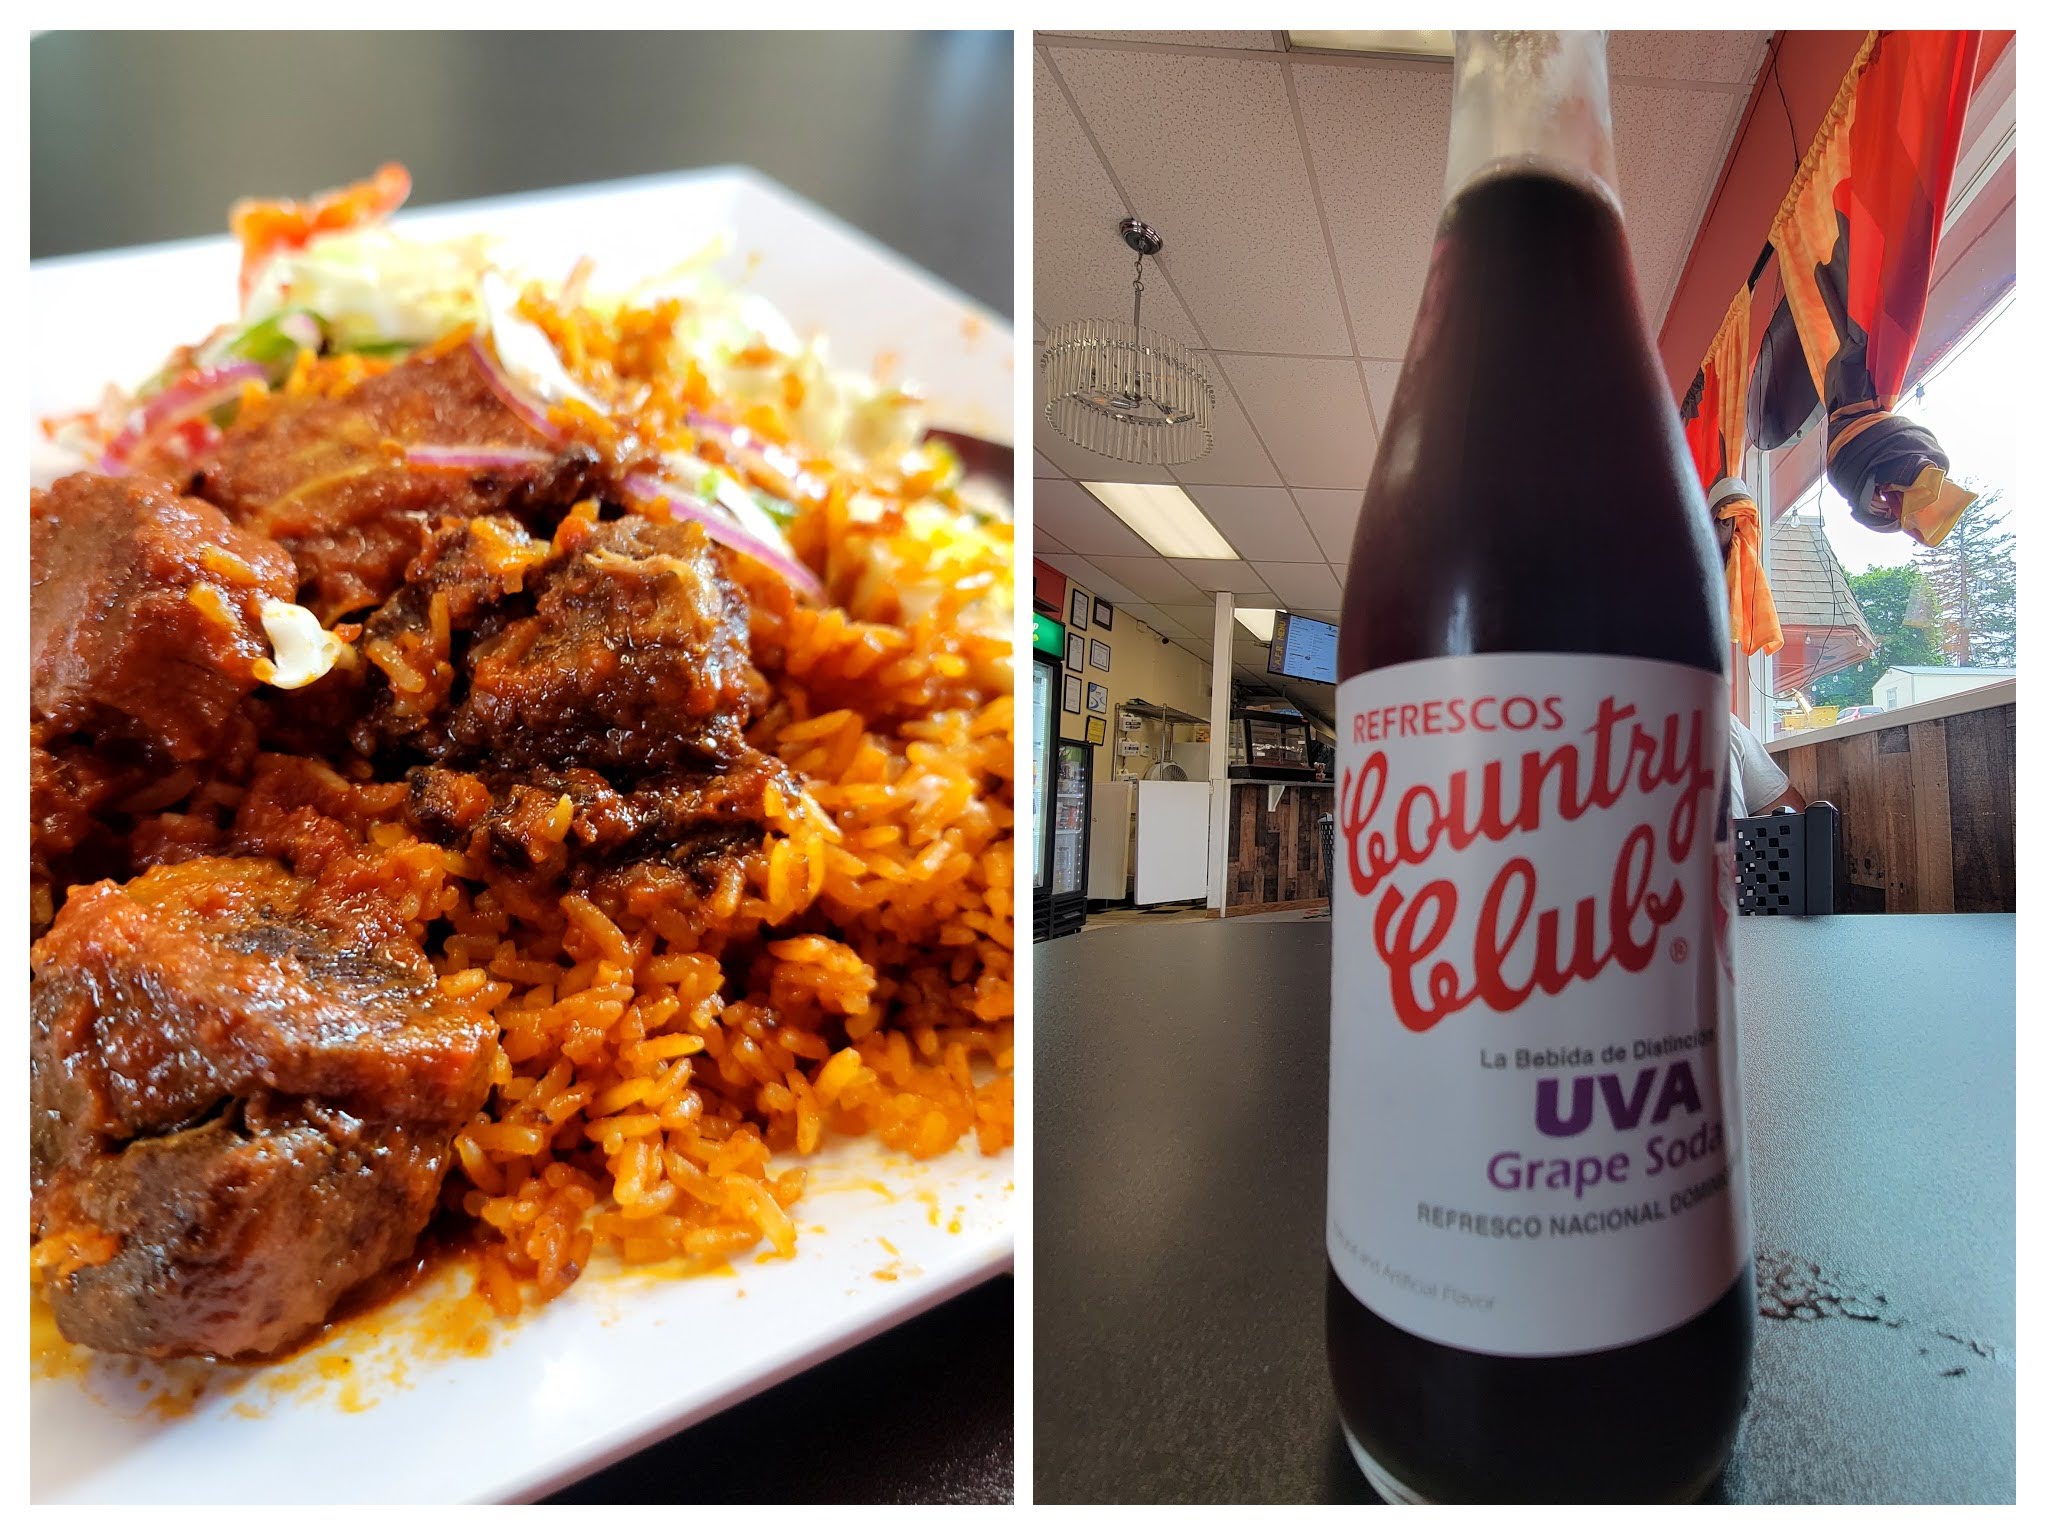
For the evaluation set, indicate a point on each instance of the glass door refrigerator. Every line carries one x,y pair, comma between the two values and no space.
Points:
1060,773
1044,693
1071,811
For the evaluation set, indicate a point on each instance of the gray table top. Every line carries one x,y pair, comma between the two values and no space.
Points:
139,137
1181,1124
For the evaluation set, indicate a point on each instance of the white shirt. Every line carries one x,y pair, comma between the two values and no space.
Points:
1755,779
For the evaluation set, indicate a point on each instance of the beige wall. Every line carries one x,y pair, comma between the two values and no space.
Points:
1142,664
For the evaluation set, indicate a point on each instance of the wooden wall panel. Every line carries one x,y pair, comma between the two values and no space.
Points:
1275,856
1927,810
1982,792
1933,838
1862,833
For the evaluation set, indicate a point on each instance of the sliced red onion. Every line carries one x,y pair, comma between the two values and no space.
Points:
515,399
776,557
441,456
197,393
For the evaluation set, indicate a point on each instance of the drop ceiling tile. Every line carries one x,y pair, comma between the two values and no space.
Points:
1224,576
1190,617
1082,524
1261,522
1332,514
1076,461
1046,469
1042,542
1667,147
1149,579
1143,612
1301,586
1727,58
1310,411
1097,582
1082,269
1264,40
1380,139
1207,149
1236,457
1380,378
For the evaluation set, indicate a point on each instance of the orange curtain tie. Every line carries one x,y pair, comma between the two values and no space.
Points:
1751,608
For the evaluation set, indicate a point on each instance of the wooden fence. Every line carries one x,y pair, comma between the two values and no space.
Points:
1927,809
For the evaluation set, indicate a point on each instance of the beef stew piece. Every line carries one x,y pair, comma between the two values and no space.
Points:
145,619
329,480
574,822
244,1086
633,660
459,584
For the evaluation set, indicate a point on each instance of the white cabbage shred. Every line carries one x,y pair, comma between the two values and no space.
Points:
302,651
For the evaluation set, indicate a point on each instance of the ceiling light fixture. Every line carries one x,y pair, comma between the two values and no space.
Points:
1126,392
1258,621
1391,45
1164,517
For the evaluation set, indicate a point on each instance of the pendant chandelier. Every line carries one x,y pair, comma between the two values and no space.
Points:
1126,392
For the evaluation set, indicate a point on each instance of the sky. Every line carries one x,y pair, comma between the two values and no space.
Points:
1971,403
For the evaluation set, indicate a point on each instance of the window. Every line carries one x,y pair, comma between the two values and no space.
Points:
1871,621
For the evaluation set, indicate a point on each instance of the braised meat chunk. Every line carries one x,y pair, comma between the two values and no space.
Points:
546,820
67,788
456,586
329,480
244,1087
634,658
145,623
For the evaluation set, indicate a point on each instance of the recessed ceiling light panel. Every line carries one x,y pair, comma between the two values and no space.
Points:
1392,45
1165,517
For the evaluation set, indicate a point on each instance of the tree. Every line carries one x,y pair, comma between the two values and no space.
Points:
1898,606
1973,577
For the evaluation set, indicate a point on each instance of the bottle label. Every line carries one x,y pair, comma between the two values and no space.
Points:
1534,1125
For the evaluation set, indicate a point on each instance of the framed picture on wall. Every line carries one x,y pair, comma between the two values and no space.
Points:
1097,698
1097,655
1081,604
1097,729
1072,699
1104,614
1076,652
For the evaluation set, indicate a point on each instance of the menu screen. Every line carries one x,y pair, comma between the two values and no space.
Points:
1304,648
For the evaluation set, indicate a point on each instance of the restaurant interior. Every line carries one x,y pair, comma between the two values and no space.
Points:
1294,191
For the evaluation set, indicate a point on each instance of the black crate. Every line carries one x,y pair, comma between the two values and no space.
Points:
1787,864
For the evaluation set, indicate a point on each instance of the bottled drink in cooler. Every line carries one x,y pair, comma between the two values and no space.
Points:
1539,1284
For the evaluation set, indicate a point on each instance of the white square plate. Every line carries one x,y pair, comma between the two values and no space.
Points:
390,1407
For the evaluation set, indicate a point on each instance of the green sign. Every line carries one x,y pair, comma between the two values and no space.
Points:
1047,634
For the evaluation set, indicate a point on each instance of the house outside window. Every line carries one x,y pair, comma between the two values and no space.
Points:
1871,621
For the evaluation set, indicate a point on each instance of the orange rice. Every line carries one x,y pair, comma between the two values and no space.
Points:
660,1063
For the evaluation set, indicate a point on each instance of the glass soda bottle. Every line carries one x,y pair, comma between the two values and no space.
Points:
1539,1281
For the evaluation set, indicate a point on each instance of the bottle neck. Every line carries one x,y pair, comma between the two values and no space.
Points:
1531,101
